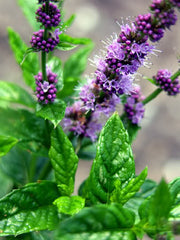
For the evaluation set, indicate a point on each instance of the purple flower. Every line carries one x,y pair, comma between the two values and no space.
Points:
163,80
176,3
50,19
38,42
46,90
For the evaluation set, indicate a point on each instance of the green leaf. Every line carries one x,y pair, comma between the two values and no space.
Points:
73,68
24,126
56,66
64,46
53,112
30,66
5,182
68,22
114,161
64,160
29,209
122,195
11,92
69,205
73,40
174,188
6,143
16,165
151,80
97,219
29,8
147,189
155,210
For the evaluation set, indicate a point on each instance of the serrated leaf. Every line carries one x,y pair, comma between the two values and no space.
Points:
13,93
69,205
29,209
24,126
64,160
114,161
6,143
30,66
98,219
29,8
174,188
122,195
147,189
73,68
53,112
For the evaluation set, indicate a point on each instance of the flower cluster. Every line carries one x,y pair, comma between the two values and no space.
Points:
153,24
163,80
38,42
48,19
176,3
134,107
46,90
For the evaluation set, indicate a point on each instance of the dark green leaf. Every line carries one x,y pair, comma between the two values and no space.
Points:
114,161
122,195
30,66
147,189
53,112
73,68
24,126
64,160
69,205
5,182
29,8
97,219
15,165
11,92
6,143
29,209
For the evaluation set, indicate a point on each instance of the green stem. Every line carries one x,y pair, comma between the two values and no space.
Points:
43,63
158,91
32,168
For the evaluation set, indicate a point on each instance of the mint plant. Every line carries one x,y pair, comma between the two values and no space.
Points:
44,132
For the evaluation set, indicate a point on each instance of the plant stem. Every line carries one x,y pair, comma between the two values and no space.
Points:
158,91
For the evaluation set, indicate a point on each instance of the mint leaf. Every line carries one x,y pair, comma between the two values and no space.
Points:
114,161
97,219
69,205
64,160
122,195
30,66
53,112
29,8
13,93
6,143
73,40
29,209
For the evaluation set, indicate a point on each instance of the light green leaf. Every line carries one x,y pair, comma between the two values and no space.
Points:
6,143
73,69
73,40
53,112
64,160
122,195
69,205
114,161
29,8
68,22
11,92
29,209
97,219
30,66
64,46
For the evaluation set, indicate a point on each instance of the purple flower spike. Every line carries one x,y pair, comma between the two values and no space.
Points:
52,19
46,90
163,80
38,42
